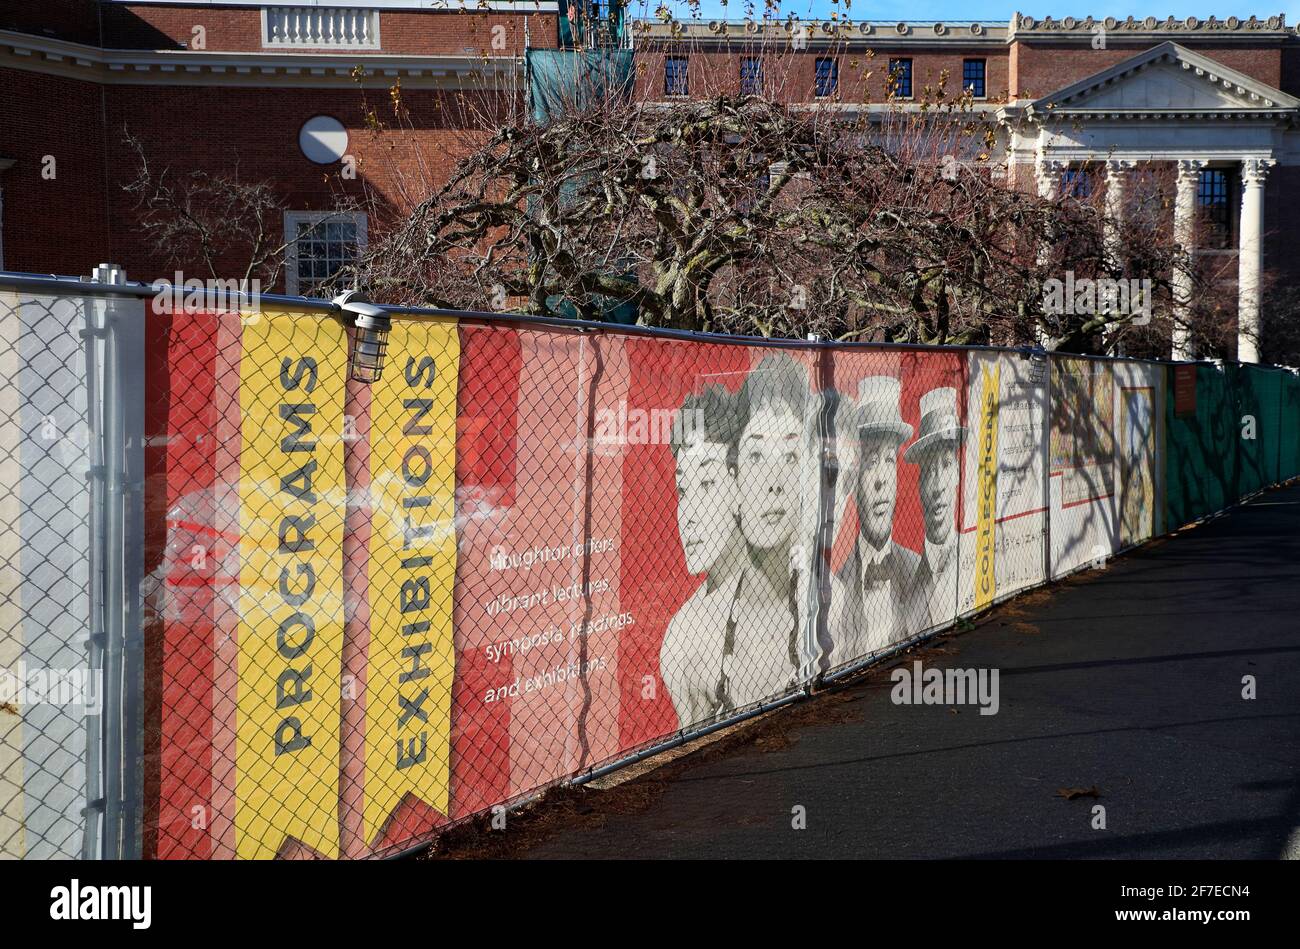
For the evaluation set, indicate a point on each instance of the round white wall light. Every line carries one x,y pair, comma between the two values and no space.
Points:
323,140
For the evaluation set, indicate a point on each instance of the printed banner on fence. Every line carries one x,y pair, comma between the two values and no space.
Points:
563,547
1005,516
46,512
986,499
412,567
1085,512
290,633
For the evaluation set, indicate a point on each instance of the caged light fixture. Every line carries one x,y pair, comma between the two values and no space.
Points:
370,342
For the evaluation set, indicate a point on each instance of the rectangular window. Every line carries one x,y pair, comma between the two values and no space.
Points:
319,246
1216,196
751,77
1076,183
338,28
675,76
828,76
900,78
972,77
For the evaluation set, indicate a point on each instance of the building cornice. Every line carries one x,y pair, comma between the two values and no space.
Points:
201,67
1149,29
1267,116
819,34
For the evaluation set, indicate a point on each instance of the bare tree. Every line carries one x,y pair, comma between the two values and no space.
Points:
764,213
220,222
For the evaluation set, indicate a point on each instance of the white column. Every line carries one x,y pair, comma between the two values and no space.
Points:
1250,257
1117,170
1047,173
1189,172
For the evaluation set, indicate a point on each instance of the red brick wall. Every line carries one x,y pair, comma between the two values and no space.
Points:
56,225
1040,68
154,27
393,167
451,33
74,20
239,29
1281,211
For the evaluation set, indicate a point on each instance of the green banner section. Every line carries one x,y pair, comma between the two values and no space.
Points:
1232,430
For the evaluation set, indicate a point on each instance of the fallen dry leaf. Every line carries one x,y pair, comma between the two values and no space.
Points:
1071,793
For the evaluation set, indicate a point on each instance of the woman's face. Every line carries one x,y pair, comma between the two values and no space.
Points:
770,460
706,503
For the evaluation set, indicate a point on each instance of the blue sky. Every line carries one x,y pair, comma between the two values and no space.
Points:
989,9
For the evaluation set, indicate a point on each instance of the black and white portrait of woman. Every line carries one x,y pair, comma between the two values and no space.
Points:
776,520
743,476
704,444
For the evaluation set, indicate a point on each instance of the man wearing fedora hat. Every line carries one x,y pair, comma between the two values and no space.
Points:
936,450
869,593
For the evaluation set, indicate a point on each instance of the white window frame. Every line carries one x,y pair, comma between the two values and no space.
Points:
375,42
295,219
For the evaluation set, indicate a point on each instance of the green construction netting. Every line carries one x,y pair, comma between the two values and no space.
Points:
1259,417
1244,436
1200,455
1289,442
561,79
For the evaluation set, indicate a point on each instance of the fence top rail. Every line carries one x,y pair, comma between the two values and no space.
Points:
80,286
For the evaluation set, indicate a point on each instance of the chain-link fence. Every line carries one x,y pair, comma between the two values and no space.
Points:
334,616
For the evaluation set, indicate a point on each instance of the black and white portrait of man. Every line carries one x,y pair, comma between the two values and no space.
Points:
869,593
936,451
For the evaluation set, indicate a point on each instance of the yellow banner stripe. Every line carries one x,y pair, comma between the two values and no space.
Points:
292,495
410,660
986,499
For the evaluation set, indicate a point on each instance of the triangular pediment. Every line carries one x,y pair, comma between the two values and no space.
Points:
1166,78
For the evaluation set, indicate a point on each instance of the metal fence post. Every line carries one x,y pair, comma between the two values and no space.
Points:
1047,468
819,590
116,409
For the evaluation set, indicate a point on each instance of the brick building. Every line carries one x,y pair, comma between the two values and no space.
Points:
273,90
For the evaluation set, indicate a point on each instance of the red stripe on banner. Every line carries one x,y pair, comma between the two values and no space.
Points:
203,529
654,580
183,559
356,614
486,426
846,536
1010,517
227,420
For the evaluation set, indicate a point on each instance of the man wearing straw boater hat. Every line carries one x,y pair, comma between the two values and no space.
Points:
936,450
869,592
